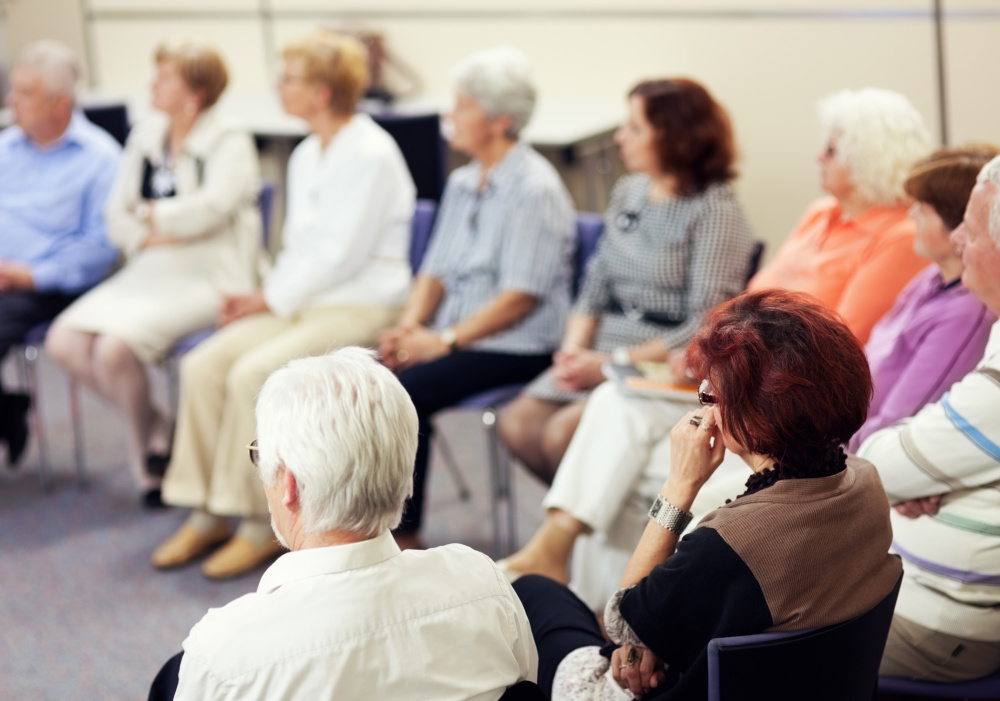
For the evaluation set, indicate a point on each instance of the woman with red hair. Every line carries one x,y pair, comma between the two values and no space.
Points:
767,400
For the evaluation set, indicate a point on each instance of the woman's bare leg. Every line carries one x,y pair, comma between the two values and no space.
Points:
73,351
549,550
522,426
557,433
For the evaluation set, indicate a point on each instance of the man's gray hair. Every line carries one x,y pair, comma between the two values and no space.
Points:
347,429
56,64
499,81
991,174
880,135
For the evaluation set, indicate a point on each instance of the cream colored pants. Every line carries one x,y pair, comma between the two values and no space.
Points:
613,469
210,468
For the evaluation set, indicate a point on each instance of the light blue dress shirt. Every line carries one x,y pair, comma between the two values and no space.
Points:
52,205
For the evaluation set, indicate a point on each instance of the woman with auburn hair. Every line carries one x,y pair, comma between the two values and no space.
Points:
766,400
342,275
676,243
183,214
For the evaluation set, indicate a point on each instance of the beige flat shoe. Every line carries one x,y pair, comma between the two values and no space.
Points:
187,544
239,556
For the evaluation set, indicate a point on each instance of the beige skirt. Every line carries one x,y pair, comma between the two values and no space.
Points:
150,304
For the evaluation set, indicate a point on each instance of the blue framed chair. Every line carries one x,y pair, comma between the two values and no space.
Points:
755,259
835,663
33,340
983,688
503,511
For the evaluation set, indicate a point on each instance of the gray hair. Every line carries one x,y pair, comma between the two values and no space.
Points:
56,64
499,81
880,135
991,174
345,427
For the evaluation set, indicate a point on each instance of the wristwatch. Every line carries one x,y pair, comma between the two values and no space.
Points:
669,516
448,337
621,356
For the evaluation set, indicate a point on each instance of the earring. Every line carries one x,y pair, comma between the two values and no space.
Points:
958,251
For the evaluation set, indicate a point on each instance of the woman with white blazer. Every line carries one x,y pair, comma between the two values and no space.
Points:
183,213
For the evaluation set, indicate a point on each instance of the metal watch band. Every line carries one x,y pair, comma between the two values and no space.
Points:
448,337
669,516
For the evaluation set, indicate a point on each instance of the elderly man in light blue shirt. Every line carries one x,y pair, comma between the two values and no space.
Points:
56,170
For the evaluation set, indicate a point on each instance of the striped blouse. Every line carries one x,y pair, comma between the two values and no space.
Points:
951,560
515,235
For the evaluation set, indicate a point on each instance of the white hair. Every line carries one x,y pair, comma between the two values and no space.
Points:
991,174
499,81
343,425
56,64
879,136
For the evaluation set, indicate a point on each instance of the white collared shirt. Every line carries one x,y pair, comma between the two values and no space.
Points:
365,621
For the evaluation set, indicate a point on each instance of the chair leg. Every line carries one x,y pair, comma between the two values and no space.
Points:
449,461
78,446
501,488
29,361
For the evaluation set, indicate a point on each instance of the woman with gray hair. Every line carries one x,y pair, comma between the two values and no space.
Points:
493,290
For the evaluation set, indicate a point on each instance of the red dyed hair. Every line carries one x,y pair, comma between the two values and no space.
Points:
694,136
791,379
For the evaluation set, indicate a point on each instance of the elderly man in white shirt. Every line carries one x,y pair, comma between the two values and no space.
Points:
342,276
346,614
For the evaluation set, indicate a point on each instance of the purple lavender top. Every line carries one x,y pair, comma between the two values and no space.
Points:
932,337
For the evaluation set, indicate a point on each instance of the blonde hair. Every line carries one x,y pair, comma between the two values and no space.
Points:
199,64
337,61
879,136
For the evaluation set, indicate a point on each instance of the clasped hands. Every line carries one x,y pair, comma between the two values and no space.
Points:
576,369
409,344
238,306
636,669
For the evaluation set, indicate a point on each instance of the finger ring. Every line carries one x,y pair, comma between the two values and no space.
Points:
632,658
622,666
402,355
695,420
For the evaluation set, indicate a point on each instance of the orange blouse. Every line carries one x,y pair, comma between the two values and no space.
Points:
854,266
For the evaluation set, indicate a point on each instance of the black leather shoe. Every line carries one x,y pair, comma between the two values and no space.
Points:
14,425
152,499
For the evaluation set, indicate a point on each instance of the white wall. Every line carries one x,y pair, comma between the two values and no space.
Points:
768,62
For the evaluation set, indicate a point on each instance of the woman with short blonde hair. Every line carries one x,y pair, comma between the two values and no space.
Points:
336,61
183,214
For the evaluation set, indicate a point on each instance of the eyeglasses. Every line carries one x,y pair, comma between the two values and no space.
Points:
704,395
254,452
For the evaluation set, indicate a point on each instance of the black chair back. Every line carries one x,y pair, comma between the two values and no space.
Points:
419,138
164,687
755,258
836,663
111,118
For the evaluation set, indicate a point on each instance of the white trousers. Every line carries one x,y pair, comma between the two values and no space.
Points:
614,467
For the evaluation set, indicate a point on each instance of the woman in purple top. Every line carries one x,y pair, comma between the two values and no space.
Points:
937,330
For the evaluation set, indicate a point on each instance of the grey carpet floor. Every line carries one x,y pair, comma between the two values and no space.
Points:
82,613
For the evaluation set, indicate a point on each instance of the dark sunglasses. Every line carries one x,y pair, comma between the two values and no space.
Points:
255,452
704,397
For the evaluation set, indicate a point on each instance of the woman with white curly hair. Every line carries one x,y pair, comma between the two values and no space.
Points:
493,291
854,251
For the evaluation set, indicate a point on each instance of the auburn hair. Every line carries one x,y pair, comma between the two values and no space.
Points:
791,379
694,138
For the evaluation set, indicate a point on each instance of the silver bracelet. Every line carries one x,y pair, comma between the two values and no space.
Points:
668,516
621,356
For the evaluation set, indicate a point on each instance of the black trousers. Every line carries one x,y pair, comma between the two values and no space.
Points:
445,382
22,311
560,624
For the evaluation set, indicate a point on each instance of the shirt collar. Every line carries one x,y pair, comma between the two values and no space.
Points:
314,562
500,175
872,220
74,134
